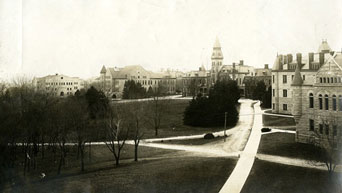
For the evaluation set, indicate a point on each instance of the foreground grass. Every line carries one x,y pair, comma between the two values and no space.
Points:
284,144
269,120
171,172
158,170
270,177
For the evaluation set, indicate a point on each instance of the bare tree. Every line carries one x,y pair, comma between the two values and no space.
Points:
328,143
116,134
138,118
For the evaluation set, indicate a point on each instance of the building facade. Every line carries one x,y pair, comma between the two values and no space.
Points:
112,80
58,85
314,94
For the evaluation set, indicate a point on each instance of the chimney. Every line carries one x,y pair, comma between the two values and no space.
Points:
266,66
311,57
241,63
289,58
299,58
285,59
321,58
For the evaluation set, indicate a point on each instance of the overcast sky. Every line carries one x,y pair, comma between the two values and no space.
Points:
77,37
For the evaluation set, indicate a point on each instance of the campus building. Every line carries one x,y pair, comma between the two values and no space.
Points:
200,81
311,90
58,84
112,80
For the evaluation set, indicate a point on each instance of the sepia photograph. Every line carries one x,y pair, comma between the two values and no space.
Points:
170,96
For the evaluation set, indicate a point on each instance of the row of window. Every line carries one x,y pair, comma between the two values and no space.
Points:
284,93
285,78
330,79
326,102
61,83
323,128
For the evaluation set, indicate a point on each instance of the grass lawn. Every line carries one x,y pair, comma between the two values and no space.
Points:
268,177
172,123
283,144
269,120
200,141
169,171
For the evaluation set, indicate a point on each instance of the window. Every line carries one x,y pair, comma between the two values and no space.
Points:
332,80
273,78
311,100
328,80
324,80
340,102
320,128
326,129
303,77
335,130
273,106
326,99
273,92
284,93
320,80
334,102
312,124
320,99
285,107
284,79
292,77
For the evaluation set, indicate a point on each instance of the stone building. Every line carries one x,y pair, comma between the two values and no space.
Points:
112,80
314,94
200,81
58,84
250,82
283,73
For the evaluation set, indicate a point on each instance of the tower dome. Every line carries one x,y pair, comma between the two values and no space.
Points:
324,47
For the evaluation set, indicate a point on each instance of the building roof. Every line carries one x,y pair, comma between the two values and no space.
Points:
103,70
217,43
324,47
276,65
297,80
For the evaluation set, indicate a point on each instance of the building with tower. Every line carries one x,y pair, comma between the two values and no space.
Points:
216,61
311,90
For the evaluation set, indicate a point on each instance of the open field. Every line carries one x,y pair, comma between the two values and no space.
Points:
269,120
172,122
270,177
158,170
283,144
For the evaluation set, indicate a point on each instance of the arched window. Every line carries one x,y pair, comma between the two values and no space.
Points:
320,80
311,99
340,102
332,80
320,99
324,80
334,102
326,99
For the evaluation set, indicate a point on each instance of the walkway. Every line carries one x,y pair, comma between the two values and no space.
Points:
241,171
295,162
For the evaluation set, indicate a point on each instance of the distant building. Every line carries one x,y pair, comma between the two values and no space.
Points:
200,81
112,80
261,74
311,90
58,85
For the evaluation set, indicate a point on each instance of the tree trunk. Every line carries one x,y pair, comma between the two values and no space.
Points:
89,155
136,152
82,158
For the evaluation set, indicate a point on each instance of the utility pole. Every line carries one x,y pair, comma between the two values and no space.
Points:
225,124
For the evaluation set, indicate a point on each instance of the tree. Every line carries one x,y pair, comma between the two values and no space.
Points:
116,135
137,118
157,109
209,111
133,90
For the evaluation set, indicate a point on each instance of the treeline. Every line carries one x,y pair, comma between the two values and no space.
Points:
210,110
36,123
134,90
